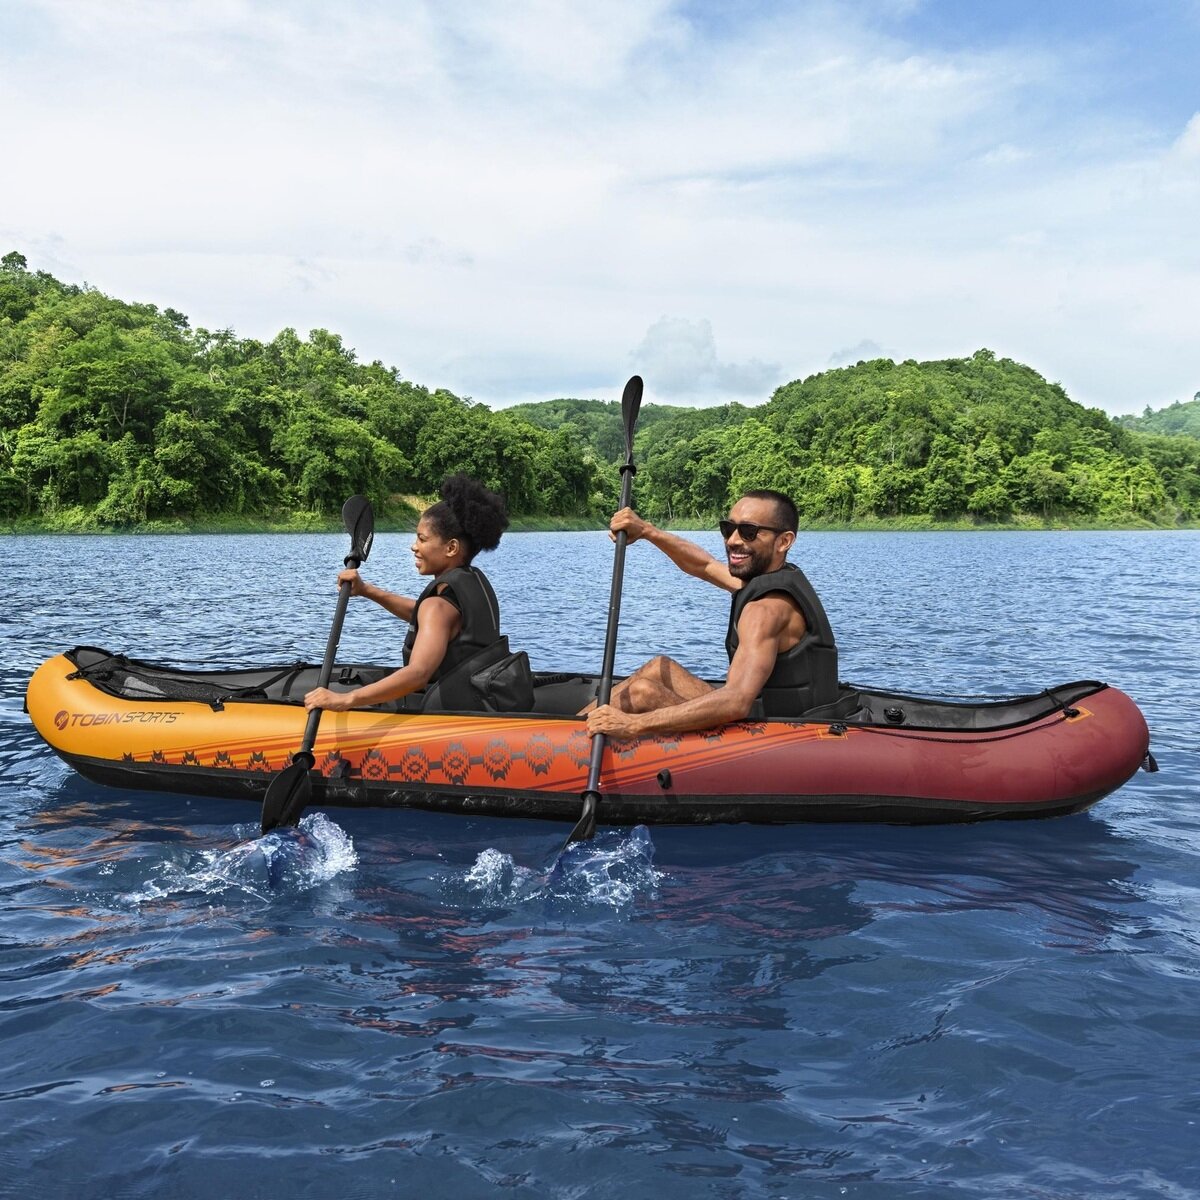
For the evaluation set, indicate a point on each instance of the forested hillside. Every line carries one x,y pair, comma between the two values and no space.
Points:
115,414
984,436
980,438
1181,417
596,422
118,415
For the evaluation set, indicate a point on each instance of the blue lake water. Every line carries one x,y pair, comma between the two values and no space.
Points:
404,1003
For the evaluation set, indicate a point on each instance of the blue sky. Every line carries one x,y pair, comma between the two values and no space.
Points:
532,199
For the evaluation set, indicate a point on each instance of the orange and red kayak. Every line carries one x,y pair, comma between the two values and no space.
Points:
875,756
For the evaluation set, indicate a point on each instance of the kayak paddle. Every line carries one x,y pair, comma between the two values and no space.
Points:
290,791
585,827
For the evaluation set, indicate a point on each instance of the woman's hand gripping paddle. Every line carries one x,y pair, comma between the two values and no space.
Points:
290,791
585,827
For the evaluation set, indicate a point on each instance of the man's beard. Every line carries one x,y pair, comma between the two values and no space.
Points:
756,565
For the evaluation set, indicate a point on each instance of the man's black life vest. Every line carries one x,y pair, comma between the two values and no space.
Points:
469,590
806,675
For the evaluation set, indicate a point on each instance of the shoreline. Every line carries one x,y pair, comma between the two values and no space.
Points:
304,523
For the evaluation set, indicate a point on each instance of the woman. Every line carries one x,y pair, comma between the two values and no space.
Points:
454,618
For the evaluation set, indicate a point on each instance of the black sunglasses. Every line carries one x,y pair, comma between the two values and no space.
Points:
746,530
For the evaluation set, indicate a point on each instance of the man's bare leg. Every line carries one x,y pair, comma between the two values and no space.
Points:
660,683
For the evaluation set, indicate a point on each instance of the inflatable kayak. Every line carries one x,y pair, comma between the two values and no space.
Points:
874,756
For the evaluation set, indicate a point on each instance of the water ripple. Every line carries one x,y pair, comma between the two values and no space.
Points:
450,1007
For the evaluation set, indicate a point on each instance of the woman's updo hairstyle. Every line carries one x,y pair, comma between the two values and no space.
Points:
469,512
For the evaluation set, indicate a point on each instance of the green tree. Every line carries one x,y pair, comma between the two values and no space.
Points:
114,413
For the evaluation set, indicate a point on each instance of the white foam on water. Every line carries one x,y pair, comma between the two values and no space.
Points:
283,860
613,870
496,876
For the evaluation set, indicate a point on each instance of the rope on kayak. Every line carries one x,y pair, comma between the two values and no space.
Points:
216,664
165,683
914,736
258,691
1066,710
1000,697
94,668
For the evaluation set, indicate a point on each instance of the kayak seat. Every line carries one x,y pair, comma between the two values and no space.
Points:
563,694
495,679
848,704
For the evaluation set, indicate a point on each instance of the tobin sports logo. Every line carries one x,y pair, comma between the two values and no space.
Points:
62,718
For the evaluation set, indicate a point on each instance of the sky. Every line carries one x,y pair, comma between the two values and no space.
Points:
533,199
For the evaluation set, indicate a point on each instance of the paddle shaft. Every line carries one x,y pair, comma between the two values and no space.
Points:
288,793
585,827
610,638
335,633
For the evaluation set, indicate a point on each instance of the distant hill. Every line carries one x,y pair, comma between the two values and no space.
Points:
977,438
597,423
1181,417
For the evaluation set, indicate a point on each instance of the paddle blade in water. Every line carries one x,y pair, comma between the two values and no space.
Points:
585,827
288,795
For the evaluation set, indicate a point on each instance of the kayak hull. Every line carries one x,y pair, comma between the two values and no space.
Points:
1045,755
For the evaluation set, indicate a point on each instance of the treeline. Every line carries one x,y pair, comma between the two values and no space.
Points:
1181,417
115,415
978,439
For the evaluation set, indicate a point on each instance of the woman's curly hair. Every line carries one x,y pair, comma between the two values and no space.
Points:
470,512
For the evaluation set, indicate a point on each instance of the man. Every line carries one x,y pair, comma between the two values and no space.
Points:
783,660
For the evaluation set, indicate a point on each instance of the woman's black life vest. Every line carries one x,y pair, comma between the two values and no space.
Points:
478,672
806,675
469,590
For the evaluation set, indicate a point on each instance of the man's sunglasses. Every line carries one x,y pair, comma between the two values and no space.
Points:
746,530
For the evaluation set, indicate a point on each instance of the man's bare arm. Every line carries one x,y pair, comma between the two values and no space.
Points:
687,556
759,630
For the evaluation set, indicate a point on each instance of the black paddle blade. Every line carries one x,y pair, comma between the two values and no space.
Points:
359,519
631,401
585,827
288,795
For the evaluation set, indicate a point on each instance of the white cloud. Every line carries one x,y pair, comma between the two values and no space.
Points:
501,200
680,357
1188,145
864,351
1004,155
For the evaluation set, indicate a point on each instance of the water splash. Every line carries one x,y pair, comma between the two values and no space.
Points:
496,877
291,860
612,870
